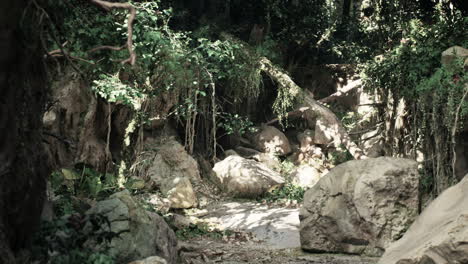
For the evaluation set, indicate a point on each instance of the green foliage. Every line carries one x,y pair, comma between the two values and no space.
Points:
411,71
64,241
87,183
442,95
201,230
339,156
401,69
235,124
426,181
301,22
287,167
288,192
114,91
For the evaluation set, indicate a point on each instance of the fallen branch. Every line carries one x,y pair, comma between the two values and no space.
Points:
317,115
132,13
345,90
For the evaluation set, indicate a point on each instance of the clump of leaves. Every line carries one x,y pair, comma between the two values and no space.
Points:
85,182
288,192
65,240
234,123
201,230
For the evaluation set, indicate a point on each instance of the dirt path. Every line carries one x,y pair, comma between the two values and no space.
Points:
265,234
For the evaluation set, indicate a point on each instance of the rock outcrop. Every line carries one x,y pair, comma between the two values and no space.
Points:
77,125
360,207
141,234
305,176
439,235
173,170
150,260
271,140
245,178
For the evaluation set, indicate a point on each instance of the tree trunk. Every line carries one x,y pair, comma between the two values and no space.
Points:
23,164
315,113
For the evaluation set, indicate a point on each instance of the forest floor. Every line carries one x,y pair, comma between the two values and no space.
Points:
260,234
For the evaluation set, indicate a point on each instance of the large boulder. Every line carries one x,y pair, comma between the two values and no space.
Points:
173,170
142,234
245,178
439,235
271,140
150,260
360,207
305,176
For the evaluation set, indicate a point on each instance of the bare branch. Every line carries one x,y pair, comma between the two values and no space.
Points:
56,53
107,47
132,13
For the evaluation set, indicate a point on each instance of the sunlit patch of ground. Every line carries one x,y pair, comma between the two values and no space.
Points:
264,234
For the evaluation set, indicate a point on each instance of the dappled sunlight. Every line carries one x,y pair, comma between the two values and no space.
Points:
277,227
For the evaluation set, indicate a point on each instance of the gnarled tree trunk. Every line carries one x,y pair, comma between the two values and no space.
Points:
23,167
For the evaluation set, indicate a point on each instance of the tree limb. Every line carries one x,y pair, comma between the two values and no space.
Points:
315,113
132,13
107,47
58,53
351,86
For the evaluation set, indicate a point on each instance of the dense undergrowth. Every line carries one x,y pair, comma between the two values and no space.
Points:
412,71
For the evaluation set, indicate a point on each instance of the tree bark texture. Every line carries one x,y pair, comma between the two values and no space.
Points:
23,166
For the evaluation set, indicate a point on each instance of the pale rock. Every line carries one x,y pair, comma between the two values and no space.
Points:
230,152
269,160
360,207
180,221
306,140
150,260
321,135
179,192
305,176
439,235
172,170
373,147
452,53
49,118
142,234
246,178
271,140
